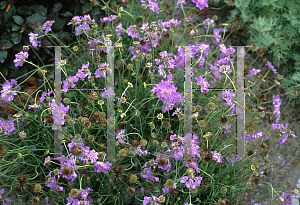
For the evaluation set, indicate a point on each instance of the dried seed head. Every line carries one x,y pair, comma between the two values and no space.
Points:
161,41
74,193
101,155
255,181
294,92
103,123
169,183
23,179
135,143
122,152
202,123
95,118
82,104
205,183
234,26
265,145
238,16
251,129
227,202
296,162
204,142
76,150
166,35
250,153
162,161
66,171
188,158
87,124
117,21
161,199
261,96
155,143
131,190
143,42
83,171
281,91
2,150
143,142
166,124
221,202
212,105
207,158
229,3
90,138
97,58
49,120
260,52
139,20
166,7
223,120
132,179
223,190
37,188
171,43
35,200
93,95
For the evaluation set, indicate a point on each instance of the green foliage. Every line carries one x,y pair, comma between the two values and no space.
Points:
273,25
19,18
290,83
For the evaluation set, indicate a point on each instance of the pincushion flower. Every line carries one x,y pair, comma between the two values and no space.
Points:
33,39
22,134
7,125
120,136
82,28
71,83
20,57
271,67
201,4
102,167
228,97
192,181
217,156
76,20
204,84
148,175
6,92
47,26
179,2
47,159
84,71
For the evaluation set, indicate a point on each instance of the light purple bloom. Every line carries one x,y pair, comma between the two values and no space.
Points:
217,156
179,2
53,184
7,93
150,200
191,182
201,4
33,39
47,26
102,167
7,125
271,67
20,57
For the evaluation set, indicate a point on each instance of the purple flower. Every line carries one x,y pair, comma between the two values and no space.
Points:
6,93
179,2
91,155
235,159
133,32
53,184
72,81
120,136
75,20
102,167
44,94
33,39
148,175
35,106
192,182
110,18
217,156
201,4
282,139
211,21
119,29
7,125
84,71
228,97
109,91
47,26
271,67
84,193
204,84
152,4
150,200
82,28
20,57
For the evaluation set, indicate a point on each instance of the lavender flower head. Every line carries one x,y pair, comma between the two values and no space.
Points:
102,167
33,39
201,4
20,57
47,26
7,93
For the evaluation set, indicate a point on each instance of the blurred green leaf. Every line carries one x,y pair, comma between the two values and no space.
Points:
16,37
10,13
35,18
18,19
57,7
3,55
9,24
24,10
4,70
68,14
16,28
58,25
3,4
39,9
6,36
6,43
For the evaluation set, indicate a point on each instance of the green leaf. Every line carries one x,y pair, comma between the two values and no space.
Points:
3,55
57,6
16,28
68,14
10,13
3,70
39,9
33,19
16,37
9,24
5,43
6,36
18,20
58,25
3,4
24,10
85,7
